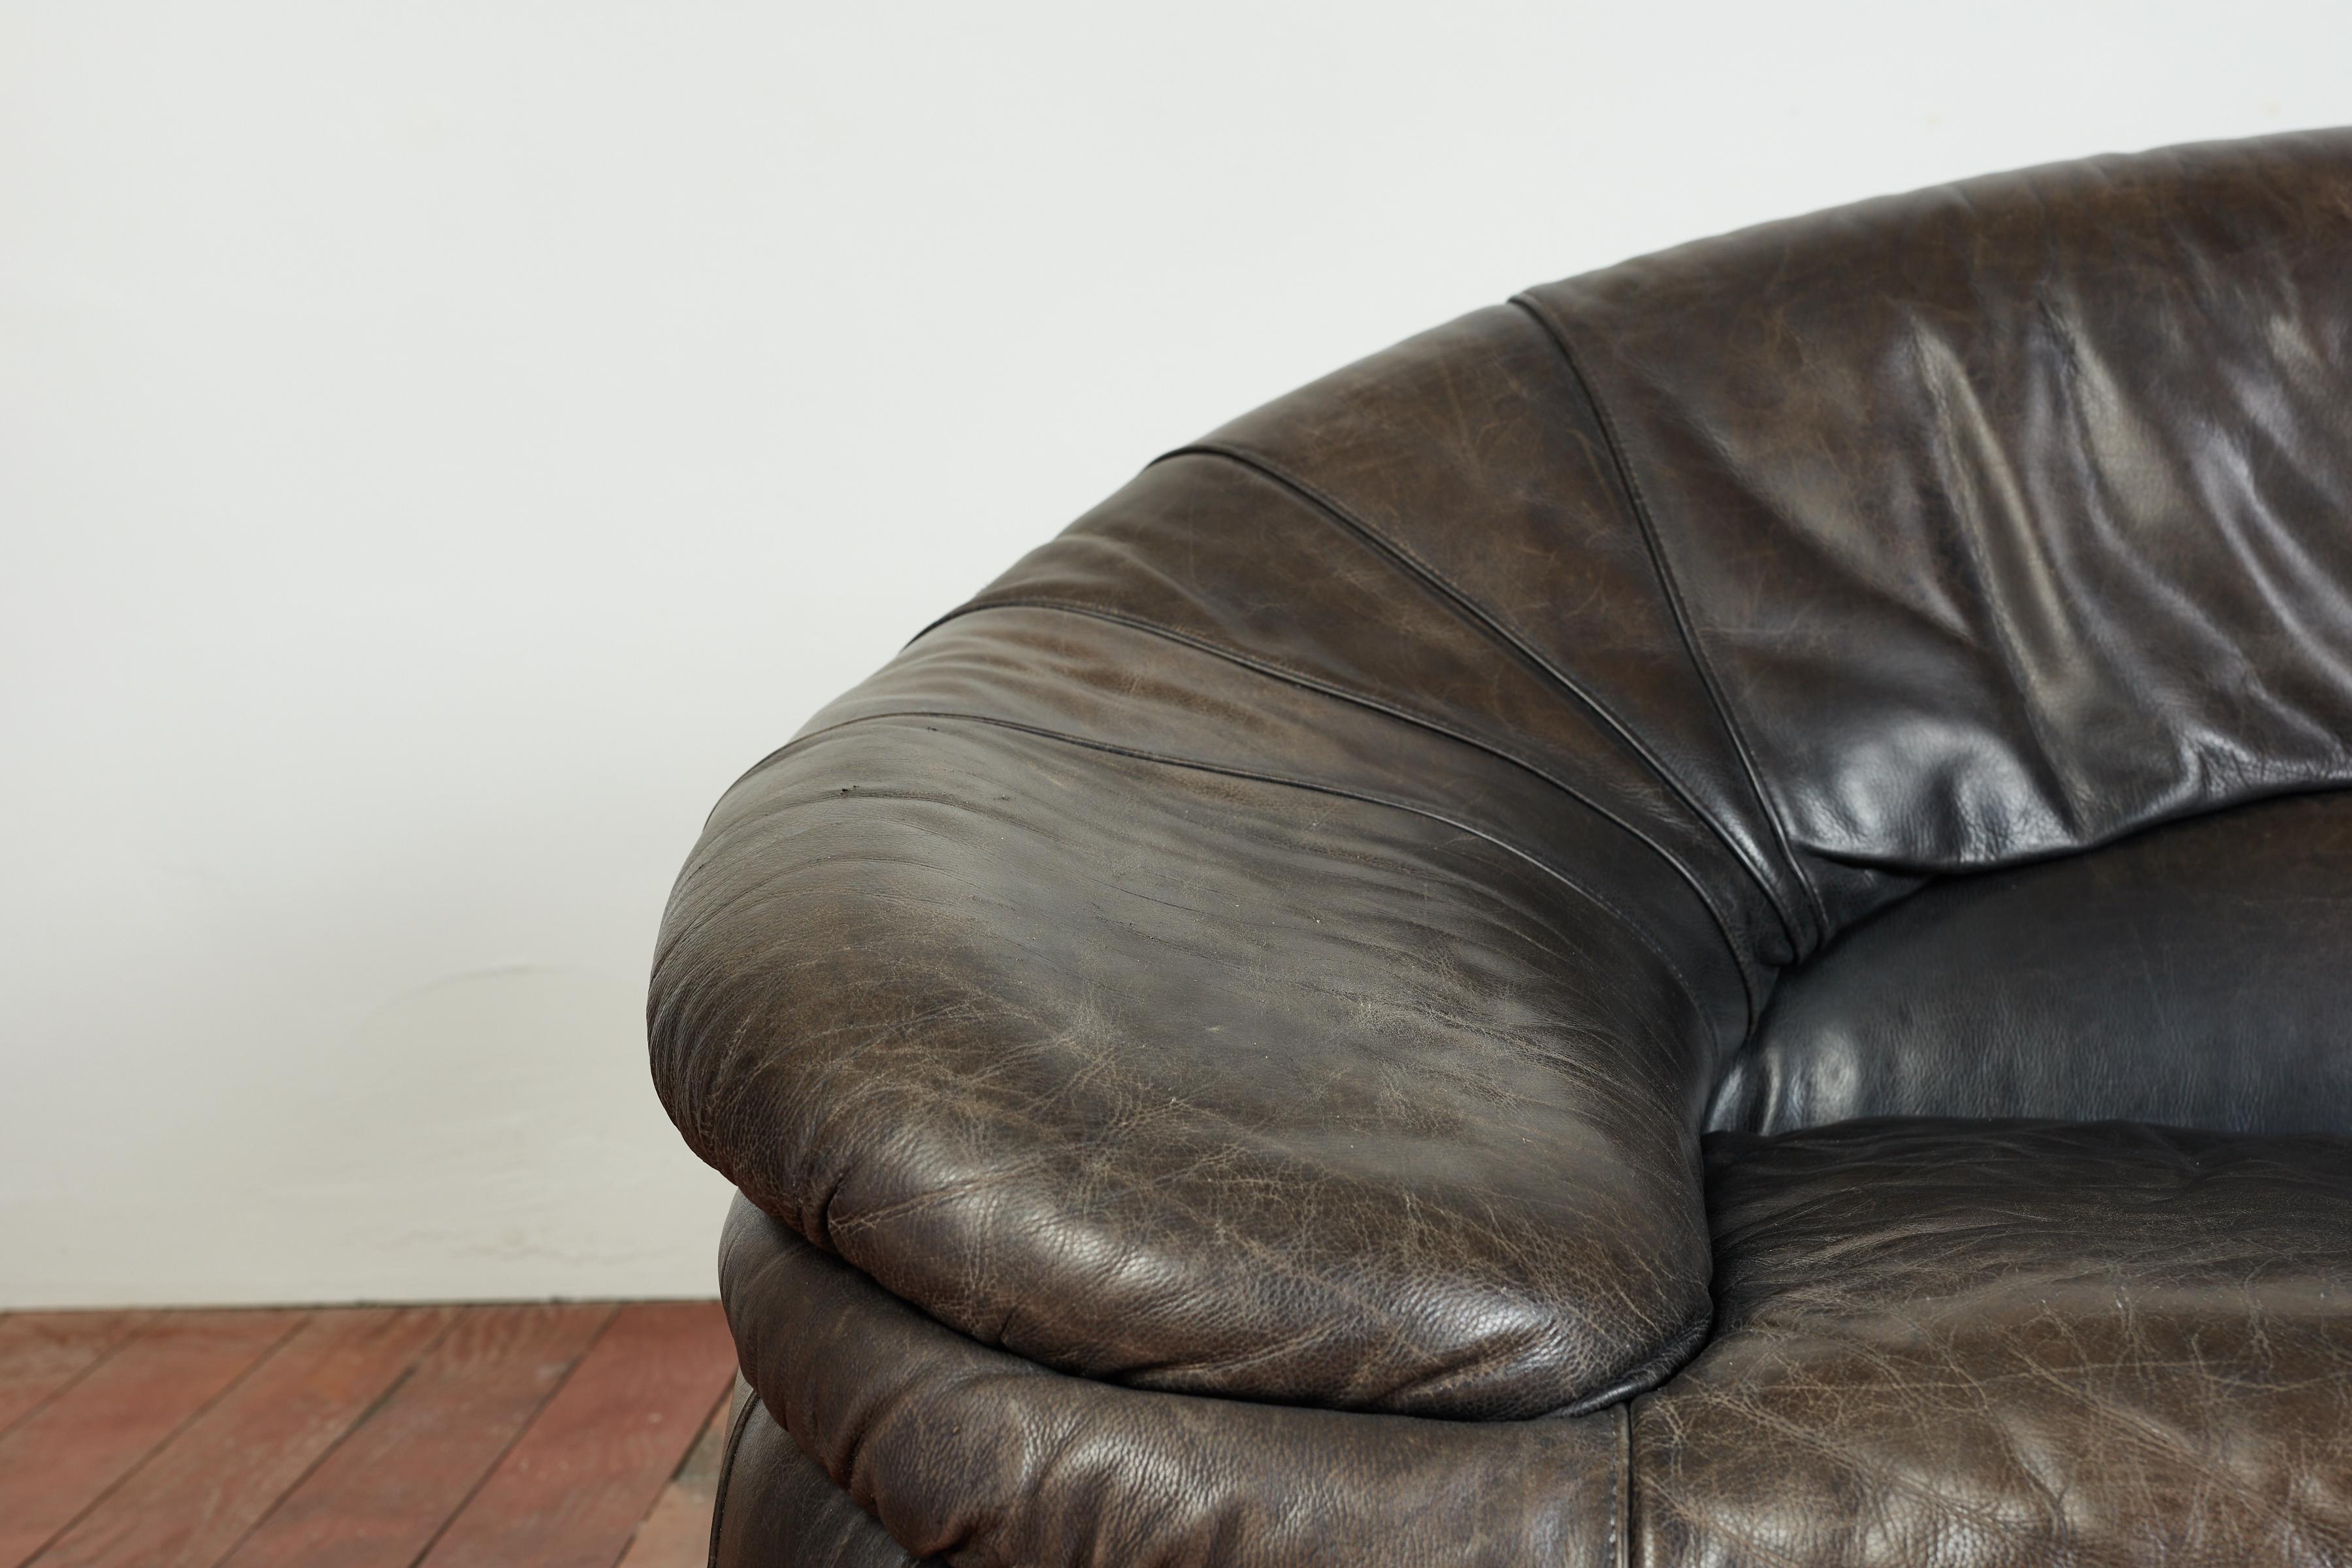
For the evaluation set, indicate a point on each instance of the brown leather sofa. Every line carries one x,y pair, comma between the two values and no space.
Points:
1706,917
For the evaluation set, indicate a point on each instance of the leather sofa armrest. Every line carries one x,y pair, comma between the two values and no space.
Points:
1162,1033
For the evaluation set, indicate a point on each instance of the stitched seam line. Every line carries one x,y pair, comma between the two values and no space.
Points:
1443,588
1621,1523
1638,504
1632,927
1275,670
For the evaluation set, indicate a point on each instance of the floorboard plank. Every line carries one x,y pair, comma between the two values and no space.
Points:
208,1485
376,1501
41,1354
64,1457
572,1491
677,1534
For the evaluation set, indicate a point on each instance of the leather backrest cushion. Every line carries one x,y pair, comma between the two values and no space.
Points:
2009,517
2198,975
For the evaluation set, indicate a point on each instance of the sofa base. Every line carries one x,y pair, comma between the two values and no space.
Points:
778,1508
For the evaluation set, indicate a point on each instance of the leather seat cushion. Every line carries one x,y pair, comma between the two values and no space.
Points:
1937,1343
1969,1342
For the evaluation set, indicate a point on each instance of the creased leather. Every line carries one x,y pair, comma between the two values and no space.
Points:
988,1460
1978,1344
1944,1342
1189,1079
1336,595
1255,977
2009,514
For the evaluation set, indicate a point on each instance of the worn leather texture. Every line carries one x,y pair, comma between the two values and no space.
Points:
1936,1341
2013,1342
2007,517
1262,969
986,1459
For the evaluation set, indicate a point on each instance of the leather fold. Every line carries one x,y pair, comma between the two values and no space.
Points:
974,1457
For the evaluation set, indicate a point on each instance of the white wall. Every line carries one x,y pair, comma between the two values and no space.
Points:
442,445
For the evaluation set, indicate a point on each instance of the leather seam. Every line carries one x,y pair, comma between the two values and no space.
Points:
1638,502
1620,1521
2175,817
1443,588
1275,670
1634,928
1651,1370
726,1472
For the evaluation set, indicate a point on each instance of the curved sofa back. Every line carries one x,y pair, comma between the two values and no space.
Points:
2012,516
1285,938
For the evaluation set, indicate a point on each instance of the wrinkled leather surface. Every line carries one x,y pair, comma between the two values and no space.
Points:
1192,1079
2195,975
2009,516
989,1460
1281,941
1938,1342
1978,1344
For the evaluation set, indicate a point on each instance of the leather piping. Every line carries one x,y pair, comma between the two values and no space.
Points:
1621,1526
1440,587
1649,1373
1639,505
742,1418
1640,933
1279,672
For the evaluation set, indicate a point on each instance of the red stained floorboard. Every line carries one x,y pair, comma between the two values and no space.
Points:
572,1491
378,1499
190,1503
65,1456
363,1437
42,1353
676,1533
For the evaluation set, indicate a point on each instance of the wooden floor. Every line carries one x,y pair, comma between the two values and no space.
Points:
558,1437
